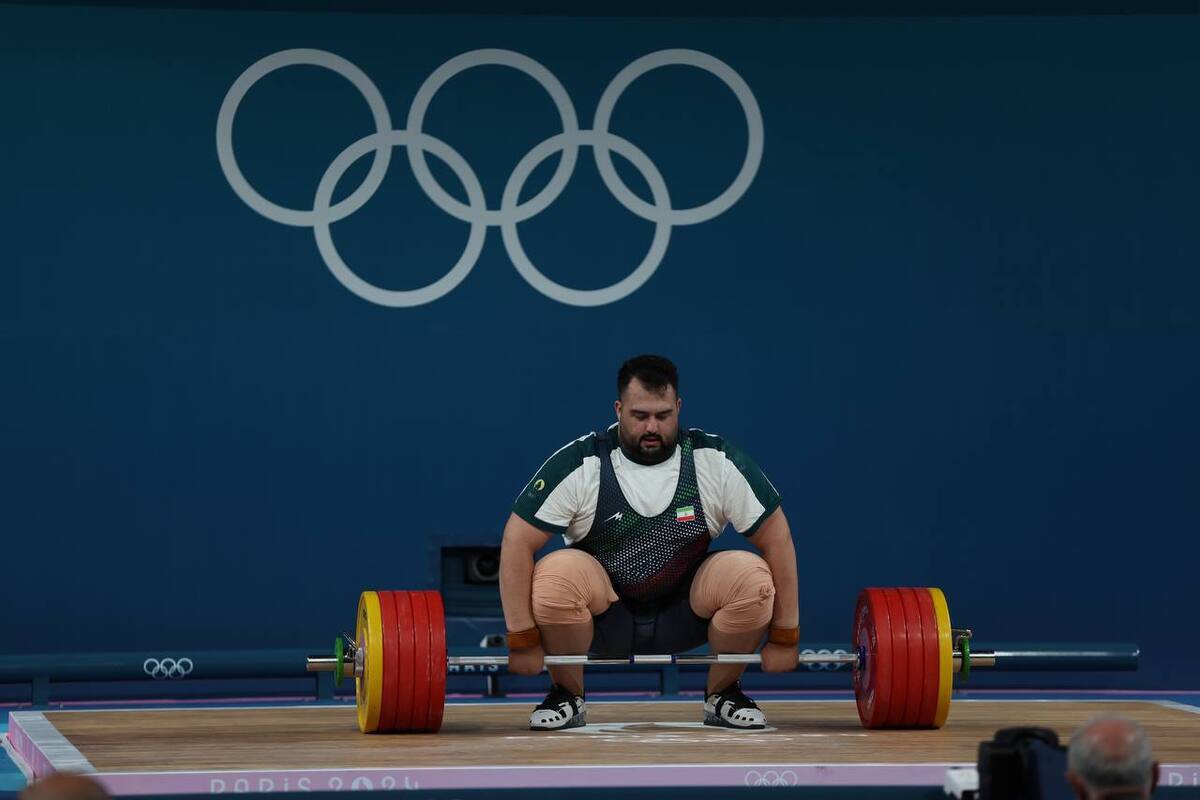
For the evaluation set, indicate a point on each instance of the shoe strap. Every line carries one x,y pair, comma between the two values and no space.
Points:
557,696
734,696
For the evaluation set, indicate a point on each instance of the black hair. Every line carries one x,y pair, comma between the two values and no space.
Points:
656,373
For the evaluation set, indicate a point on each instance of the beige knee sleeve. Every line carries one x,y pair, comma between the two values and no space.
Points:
569,587
735,590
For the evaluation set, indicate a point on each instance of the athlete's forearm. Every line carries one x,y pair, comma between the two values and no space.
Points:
521,541
774,539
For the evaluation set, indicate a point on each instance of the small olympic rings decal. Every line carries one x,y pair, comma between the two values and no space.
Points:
772,777
808,651
475,212
168,668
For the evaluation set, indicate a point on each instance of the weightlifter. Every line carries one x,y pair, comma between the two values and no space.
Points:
638,506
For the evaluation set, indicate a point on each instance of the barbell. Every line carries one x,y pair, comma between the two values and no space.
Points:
903,655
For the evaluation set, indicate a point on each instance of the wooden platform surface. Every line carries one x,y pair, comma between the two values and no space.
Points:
637,733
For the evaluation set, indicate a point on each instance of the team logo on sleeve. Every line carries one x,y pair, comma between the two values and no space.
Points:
538,485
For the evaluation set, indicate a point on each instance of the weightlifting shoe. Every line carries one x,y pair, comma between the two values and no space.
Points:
730,708
561,709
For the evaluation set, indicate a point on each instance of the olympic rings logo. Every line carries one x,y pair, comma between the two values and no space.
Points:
825,665
475,212
168,668
772,777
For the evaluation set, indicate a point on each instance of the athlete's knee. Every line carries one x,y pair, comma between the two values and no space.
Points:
741,591
569,587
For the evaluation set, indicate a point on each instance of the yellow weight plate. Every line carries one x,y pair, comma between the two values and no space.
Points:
945,656
368,688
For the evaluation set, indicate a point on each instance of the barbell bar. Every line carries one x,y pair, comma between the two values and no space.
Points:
977,658
903,656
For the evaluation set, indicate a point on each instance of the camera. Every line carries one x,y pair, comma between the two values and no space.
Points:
482,565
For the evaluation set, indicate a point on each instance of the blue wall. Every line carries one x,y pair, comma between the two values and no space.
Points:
954,317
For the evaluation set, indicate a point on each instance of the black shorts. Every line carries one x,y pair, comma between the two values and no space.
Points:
669,626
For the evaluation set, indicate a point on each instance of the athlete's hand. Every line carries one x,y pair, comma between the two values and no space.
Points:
780,658
526,660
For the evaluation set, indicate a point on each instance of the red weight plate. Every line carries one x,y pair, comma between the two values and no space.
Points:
873,636
916,658
437,660
406,663
387,700
420,661
863,678
930,665
898,712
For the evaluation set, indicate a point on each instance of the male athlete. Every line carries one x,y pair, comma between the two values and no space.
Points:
638,506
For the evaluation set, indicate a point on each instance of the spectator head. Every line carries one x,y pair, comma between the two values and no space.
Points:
64,786
1109,759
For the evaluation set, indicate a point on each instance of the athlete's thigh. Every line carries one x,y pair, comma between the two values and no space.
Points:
724,577
570,575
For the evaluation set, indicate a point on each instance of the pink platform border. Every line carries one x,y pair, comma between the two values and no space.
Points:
44,751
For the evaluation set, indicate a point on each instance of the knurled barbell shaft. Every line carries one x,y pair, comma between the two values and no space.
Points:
329,663
1103,657
660,660
981,658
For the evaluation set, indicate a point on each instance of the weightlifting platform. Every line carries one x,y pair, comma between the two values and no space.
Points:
810,742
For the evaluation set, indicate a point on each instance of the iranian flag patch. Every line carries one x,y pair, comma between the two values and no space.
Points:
685,514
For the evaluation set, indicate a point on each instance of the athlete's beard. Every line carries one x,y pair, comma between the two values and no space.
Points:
632,448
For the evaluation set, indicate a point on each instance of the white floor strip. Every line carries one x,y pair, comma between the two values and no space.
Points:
15,757
62,755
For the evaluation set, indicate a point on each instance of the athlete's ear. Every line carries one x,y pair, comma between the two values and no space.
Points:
617,408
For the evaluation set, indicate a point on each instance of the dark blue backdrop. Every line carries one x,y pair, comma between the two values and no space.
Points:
955,317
